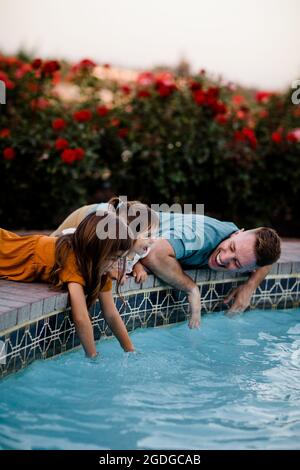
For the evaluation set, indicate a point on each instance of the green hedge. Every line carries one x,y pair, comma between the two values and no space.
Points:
161,138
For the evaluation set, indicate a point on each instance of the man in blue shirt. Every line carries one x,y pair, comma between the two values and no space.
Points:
193,240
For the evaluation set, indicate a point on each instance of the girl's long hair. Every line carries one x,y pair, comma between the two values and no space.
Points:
94,254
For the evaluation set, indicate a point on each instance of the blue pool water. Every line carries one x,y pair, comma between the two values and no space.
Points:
234,384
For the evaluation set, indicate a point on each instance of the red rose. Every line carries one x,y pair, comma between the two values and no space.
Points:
276,137
82,116
165,85
246,135
83,65
293,136
221,119
195,86
241,114
79,153
213,92
145,78
50,67
86,64
126,89
4,133
58,124
115,122
68,156
7,82
238,99
290,137
102,111
36,64
123,132
250,136
238,136
199,97
219,108
210,98
263,96
39,103
61,144
9,153
22,70
144,94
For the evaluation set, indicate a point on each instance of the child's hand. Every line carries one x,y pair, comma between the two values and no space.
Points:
114,274
139,273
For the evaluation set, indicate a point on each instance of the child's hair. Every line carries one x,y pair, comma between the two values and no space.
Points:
92,253
139,217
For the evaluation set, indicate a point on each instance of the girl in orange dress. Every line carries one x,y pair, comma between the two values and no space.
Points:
79,261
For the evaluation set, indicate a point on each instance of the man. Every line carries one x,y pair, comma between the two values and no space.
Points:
193,241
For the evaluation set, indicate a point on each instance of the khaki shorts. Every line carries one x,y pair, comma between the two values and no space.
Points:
74,219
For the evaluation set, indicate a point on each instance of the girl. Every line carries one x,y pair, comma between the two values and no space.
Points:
81,262
143,221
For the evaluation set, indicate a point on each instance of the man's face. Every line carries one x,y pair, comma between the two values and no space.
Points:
235,254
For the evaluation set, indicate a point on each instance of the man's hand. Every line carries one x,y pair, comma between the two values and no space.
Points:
195,321
241,296
195,307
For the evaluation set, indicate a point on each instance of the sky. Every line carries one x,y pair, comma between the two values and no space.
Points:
252,42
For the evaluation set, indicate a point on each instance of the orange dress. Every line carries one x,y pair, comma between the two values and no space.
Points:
31,258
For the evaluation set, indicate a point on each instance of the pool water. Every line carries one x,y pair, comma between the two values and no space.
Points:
234,384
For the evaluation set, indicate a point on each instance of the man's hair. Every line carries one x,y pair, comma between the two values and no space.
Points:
267,246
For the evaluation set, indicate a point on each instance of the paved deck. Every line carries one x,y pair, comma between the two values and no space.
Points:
290,250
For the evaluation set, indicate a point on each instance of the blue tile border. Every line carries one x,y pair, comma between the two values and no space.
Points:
45,329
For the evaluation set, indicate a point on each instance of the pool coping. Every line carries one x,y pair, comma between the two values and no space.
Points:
35,318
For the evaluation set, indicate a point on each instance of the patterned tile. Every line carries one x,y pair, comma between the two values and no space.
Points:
157,306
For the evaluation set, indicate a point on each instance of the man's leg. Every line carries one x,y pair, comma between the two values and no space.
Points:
74,219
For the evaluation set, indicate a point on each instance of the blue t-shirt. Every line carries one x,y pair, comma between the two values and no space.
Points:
193,236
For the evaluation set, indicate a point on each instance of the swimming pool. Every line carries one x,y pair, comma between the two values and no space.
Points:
234,384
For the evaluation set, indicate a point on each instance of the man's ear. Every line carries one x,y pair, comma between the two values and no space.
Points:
237,232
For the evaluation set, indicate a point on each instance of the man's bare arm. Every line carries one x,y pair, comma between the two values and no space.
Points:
162,262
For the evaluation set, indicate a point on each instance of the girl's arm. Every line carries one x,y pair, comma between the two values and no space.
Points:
81,318
114,320
139,272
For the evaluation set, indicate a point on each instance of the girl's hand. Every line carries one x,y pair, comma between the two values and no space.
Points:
139,273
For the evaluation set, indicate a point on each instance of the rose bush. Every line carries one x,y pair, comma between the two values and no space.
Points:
68,131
